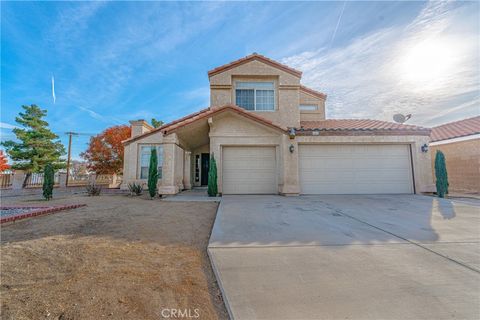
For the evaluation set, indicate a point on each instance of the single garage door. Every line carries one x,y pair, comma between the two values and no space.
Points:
249,170
355,169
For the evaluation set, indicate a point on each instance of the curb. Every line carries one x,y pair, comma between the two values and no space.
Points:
37,212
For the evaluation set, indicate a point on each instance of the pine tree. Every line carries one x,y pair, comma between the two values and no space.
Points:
38,144
441,174
212,177
48,181
153,173
156,123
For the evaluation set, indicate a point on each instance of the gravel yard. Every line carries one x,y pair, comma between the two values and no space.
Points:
119,258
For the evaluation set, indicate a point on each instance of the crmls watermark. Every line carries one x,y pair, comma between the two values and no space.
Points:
171,313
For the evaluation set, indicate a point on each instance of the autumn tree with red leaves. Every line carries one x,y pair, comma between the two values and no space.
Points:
104,154
3,162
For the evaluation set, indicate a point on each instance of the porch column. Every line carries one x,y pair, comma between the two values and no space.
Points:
167,184
18,178
187,168
62,179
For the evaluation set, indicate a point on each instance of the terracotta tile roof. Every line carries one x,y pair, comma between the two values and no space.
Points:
205,113
255,56
457,129
361,125
313,92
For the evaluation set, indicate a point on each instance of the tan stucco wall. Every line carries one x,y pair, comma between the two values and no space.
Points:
234,130
316,115
256,68
221,97
231,129
463,164
173,163
131,159
222,90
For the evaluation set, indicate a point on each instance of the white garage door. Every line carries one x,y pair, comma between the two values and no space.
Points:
355,169
249,170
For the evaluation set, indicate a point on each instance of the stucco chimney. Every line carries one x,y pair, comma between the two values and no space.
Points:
140,127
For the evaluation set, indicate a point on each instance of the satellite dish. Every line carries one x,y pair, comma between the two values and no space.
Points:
400,118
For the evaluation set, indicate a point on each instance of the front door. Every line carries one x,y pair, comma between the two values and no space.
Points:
205,166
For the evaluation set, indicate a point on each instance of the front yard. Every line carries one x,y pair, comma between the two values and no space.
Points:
118,258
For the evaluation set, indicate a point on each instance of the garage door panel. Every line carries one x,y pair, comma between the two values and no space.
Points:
249,170
355,169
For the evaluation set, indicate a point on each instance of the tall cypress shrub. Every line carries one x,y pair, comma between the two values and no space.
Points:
48,181
441,174
212,178
153,173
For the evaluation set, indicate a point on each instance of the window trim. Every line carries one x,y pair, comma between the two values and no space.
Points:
255,94
139,159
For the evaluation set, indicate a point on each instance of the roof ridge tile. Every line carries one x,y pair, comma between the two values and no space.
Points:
254,56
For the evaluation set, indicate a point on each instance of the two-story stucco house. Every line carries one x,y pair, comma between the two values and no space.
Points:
269,135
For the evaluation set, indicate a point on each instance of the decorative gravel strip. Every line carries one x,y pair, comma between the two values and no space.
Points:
35,211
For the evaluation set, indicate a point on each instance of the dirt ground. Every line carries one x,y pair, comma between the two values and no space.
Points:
118,258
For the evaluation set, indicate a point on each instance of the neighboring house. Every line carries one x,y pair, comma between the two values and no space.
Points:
460,142
269,135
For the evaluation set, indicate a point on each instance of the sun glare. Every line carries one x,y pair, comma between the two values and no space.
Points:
427,64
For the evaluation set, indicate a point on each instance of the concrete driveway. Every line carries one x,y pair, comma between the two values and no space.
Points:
347,257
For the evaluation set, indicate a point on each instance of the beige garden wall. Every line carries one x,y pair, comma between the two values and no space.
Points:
463,164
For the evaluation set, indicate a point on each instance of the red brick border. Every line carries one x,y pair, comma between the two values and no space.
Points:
39,210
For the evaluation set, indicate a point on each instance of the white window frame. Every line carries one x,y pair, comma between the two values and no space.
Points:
255,94
159,156
308,107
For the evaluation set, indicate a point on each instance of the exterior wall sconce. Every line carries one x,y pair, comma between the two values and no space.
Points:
291,133
291,148
425,148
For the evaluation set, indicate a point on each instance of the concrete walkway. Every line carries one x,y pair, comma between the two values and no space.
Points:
347,257
195,194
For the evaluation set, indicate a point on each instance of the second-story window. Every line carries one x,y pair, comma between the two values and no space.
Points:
255,96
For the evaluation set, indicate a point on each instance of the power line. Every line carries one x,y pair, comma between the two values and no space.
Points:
70,134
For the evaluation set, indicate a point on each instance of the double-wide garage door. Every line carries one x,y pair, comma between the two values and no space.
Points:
249,170
355,169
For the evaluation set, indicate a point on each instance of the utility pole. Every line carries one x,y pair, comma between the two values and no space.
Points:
70,134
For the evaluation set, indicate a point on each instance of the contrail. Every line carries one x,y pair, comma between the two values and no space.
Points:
338,23
53,90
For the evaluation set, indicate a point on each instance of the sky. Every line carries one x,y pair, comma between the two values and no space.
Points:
117,61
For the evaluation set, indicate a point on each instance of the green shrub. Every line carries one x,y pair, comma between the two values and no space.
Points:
212,178
153,173
441,174
135,189
48,181
93,190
